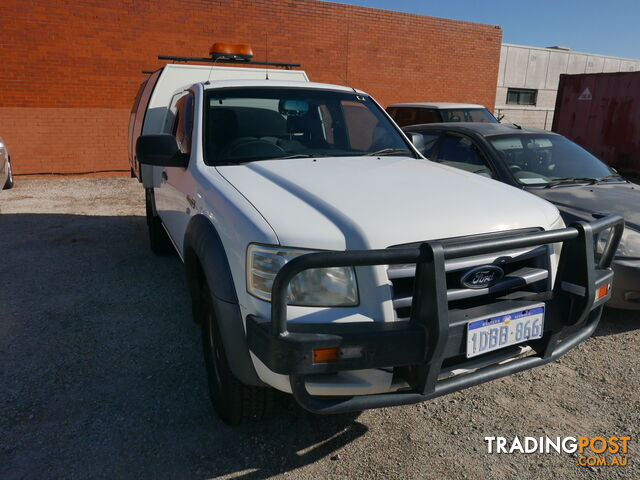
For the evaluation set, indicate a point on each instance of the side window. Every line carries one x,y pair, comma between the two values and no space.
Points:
183,124
175,120
460,152
427,115
453,116
392,112
406,116
170,119
480,116
428,142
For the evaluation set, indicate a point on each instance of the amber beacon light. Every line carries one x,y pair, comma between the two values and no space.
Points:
228,51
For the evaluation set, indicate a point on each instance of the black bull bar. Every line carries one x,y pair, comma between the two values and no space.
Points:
433,334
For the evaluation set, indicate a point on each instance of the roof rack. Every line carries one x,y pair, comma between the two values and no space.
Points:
228,53
284,65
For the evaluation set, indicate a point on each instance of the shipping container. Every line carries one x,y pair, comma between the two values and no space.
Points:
601,112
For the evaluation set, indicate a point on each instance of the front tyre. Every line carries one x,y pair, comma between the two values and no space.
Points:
9,183
233,401
158,239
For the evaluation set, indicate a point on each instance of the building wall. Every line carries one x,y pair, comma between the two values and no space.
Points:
71,68
540,69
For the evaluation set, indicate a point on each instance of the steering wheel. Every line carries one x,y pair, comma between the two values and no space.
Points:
515,168
255,148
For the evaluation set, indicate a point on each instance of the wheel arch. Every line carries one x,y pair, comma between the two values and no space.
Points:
205,259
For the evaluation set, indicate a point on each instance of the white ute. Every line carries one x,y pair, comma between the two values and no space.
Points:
326,258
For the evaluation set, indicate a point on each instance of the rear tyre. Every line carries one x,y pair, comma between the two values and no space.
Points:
158,239
9,183
233,401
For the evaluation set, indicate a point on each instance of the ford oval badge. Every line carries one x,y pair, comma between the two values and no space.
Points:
482,277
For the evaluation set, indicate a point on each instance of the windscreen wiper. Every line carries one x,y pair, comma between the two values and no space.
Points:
387,151
258,159
560,181
304,155
613,176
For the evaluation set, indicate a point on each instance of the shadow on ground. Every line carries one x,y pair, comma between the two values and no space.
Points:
614,322
101,366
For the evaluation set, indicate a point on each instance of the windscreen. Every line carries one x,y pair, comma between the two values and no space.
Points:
244,125
467,115
541,159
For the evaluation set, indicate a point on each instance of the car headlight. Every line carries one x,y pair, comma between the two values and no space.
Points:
629,243
316,287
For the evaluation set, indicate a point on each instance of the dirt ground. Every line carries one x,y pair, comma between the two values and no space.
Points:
101,373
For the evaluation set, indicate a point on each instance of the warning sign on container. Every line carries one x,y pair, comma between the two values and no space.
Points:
586,95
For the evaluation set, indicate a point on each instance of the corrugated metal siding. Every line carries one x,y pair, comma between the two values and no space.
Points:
608,123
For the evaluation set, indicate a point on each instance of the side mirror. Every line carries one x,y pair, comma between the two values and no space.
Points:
160,150
417,139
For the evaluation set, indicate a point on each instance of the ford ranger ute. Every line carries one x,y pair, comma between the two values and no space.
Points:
326,258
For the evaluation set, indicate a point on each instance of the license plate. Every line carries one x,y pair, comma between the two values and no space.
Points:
510,328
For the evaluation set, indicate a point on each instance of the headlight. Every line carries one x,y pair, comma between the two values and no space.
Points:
629,244
316,287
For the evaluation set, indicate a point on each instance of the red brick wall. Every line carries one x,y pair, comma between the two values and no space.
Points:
70,69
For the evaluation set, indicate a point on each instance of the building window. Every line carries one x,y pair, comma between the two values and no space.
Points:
521,96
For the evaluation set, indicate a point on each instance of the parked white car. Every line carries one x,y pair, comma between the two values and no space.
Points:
438,112
326,258
6,173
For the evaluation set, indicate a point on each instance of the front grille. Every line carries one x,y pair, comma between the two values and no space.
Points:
527,270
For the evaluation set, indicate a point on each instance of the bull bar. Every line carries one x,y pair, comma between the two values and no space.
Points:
433,334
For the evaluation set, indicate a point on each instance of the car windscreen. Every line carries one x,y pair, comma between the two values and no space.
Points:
467,115
540,159
249,124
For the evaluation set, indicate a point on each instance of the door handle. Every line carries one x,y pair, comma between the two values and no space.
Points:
164,175
191,201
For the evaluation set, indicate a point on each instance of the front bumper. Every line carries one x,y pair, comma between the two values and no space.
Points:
427,348
626,286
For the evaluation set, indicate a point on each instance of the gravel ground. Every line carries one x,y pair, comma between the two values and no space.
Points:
102,373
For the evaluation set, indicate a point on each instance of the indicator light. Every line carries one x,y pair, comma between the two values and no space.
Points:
325,355
602,292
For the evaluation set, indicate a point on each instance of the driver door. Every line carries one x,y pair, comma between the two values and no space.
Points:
175,197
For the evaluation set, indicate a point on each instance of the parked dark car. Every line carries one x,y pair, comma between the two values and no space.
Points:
431,112
552,167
